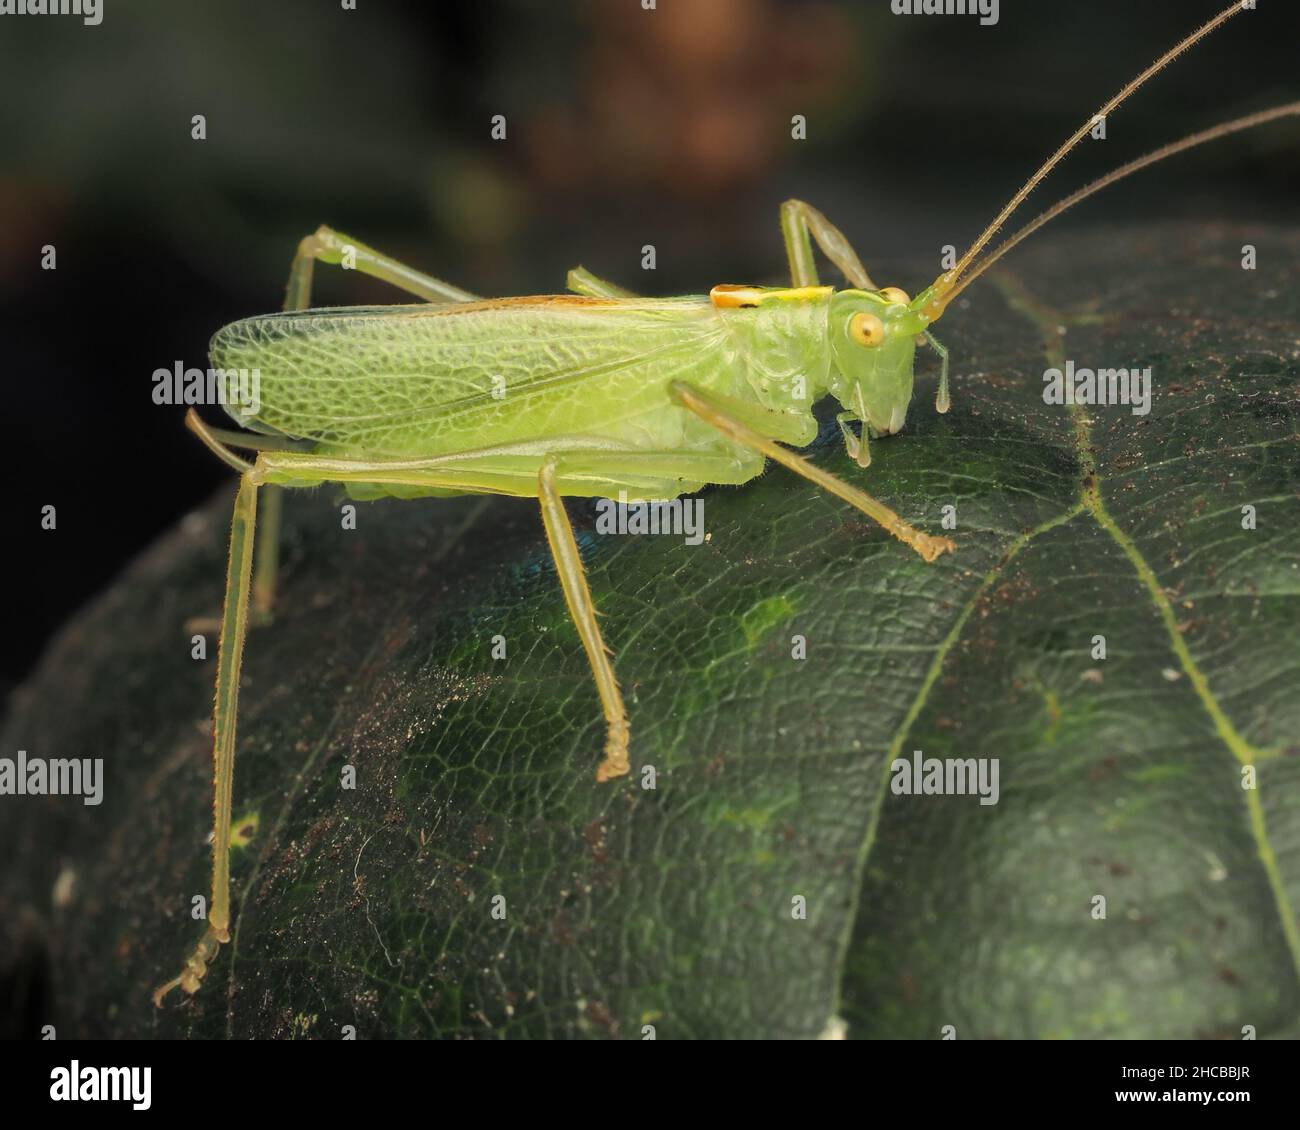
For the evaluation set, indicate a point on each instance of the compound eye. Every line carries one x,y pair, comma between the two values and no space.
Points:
866,329
893,294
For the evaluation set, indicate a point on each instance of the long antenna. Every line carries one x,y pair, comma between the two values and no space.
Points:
945,283
1291,109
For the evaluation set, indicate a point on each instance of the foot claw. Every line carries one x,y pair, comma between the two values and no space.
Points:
162,990
196,966
615,763
931,549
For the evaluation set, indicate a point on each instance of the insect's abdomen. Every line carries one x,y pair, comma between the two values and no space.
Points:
412,381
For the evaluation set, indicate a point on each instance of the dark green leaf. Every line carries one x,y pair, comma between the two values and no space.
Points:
626,906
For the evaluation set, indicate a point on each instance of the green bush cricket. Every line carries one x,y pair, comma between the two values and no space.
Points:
591,394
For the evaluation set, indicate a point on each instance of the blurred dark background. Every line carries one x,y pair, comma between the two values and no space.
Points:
624,127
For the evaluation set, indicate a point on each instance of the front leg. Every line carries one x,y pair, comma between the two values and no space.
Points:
941,402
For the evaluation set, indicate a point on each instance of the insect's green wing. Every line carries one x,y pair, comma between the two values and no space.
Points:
436,379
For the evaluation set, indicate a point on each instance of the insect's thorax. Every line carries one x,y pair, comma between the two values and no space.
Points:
780,343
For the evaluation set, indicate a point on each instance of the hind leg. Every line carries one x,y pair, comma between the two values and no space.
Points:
582,281
328,246
799,222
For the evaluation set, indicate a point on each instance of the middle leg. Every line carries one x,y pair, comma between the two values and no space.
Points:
582,610
644,474
704,406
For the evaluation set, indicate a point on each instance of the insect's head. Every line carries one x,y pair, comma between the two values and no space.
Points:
873,343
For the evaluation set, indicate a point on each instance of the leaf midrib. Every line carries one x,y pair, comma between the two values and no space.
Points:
1047,320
